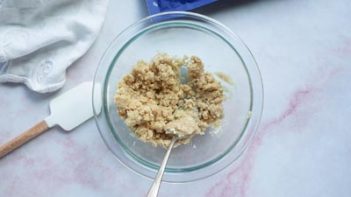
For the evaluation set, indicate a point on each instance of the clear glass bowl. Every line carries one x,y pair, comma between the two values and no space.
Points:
182,33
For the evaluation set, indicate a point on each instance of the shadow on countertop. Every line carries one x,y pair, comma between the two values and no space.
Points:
29,94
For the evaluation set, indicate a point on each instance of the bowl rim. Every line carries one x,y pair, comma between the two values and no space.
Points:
256,102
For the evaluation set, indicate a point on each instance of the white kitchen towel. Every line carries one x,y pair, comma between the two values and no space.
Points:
39,39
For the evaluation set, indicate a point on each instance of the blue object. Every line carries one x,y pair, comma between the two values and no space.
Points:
157,6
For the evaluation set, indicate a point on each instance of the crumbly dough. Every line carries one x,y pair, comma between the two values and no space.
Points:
225,77
156,105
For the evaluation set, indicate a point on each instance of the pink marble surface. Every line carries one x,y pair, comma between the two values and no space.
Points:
303,145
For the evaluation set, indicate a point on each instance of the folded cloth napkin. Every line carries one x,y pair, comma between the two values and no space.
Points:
39,39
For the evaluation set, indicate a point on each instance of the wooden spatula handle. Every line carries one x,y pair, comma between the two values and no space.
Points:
33,132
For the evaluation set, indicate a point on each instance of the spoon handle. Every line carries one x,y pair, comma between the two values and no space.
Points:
18,141
156,185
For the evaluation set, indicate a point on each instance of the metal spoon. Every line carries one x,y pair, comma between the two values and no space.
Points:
156,185
157,182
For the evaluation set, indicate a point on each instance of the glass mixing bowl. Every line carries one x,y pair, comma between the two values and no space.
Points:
179,34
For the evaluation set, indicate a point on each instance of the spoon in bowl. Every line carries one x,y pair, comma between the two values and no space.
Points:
157,182
179,130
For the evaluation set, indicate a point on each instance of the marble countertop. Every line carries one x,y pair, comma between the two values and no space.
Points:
302,147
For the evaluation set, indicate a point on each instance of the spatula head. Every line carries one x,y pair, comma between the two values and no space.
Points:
74,107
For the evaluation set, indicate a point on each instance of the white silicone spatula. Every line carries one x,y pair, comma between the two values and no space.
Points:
68,110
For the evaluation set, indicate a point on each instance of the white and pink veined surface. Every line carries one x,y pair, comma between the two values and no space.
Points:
303,145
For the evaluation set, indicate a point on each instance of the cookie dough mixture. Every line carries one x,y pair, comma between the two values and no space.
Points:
157,100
